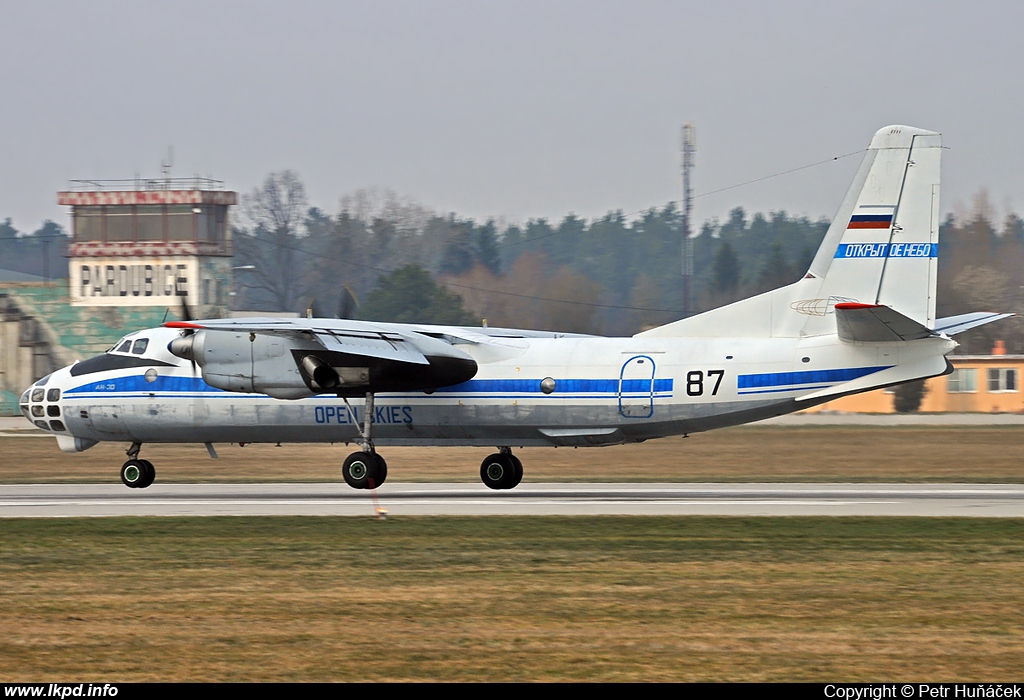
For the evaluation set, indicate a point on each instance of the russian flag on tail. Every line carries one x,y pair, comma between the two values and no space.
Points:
883,221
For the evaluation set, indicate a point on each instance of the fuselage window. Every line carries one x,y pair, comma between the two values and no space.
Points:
140,346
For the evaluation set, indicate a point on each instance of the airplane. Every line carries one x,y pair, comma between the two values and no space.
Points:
861,318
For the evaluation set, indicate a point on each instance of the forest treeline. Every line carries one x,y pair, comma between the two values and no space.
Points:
383,257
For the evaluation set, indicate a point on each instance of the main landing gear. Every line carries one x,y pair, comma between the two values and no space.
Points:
501,470
137,473
365,469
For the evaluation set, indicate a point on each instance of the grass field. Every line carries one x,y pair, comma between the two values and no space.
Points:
827,453
274,599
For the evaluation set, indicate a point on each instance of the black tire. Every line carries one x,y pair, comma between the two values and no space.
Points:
133,473
382,471
149,474
498,471
359,468
519,471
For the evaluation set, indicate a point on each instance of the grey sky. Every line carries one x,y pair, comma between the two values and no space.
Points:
515,109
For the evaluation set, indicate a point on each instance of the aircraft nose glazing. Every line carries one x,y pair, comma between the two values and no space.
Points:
42,406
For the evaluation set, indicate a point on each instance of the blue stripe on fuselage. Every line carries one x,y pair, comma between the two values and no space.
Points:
795,379
137,384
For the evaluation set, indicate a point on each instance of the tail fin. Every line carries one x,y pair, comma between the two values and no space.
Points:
881,249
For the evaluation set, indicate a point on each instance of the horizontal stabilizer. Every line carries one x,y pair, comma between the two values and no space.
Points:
874,323
951,325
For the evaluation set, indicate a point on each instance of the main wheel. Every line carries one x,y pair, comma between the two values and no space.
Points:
498,471
360,467
133,473
149,473
519,471
382,471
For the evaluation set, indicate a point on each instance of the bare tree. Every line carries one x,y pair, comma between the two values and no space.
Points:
272,244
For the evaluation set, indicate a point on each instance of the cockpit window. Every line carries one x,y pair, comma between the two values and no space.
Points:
37,394
140,346
125,346
53,395
42,382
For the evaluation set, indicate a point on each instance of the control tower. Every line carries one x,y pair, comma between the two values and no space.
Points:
150,243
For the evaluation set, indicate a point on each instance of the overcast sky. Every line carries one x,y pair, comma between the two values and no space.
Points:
506,109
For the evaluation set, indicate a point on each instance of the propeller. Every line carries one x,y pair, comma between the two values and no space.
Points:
348,304
186,314
186,346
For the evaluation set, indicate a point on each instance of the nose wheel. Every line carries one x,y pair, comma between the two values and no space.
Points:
501,471
138,473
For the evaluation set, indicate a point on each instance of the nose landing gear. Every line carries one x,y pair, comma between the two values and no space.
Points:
137,473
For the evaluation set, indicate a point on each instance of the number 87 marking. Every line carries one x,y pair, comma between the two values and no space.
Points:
695,381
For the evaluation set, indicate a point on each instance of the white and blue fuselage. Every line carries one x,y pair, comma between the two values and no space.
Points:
540,391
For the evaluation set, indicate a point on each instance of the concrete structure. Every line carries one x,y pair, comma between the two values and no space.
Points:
138,248
979,384
150,243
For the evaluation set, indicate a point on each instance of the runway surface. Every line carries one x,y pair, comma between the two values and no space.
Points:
104,500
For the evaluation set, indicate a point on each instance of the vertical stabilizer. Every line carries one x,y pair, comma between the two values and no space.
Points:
882,248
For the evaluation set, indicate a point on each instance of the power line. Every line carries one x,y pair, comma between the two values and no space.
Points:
384,271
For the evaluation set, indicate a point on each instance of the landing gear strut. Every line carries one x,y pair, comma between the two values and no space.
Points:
365,469
502,470
137,473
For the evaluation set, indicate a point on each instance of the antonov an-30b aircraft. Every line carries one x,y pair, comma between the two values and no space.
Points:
863,317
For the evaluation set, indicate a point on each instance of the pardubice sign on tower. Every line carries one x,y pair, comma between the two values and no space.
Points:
149,242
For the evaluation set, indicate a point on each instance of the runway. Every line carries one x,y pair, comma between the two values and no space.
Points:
107,500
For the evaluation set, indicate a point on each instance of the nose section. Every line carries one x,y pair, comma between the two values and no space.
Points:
41,404
23,404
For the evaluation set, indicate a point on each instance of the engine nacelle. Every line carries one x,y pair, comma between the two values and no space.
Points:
294,367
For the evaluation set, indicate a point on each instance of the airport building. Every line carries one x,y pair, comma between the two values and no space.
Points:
138,249
978,384
151,245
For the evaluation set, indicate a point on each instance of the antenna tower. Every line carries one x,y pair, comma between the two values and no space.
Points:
689,150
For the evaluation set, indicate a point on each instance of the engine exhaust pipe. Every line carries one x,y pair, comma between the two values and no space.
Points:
321,374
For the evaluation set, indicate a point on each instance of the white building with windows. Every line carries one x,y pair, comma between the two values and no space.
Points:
978,384
150,243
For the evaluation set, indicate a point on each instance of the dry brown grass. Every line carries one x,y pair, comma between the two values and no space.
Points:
249,599
860,453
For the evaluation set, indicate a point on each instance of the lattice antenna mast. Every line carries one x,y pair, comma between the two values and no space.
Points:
166,165
689,151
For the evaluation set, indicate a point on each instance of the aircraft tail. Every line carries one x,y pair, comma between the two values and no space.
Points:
881,250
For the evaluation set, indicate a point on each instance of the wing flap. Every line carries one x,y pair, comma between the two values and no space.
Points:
385,346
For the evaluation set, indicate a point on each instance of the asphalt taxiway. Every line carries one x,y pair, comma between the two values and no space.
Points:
105,500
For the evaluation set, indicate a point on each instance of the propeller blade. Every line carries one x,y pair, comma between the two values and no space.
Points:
348,304
186,314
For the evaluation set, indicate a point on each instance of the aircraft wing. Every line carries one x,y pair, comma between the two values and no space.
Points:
294,358
350,339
